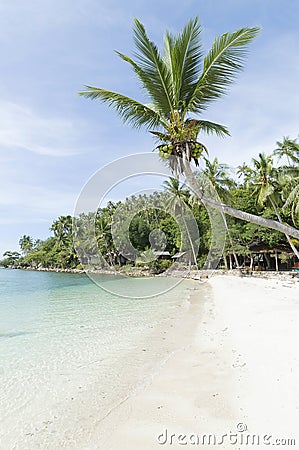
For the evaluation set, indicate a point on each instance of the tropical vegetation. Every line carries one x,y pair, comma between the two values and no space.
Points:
261,188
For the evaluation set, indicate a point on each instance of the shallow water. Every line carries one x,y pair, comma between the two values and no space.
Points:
71,351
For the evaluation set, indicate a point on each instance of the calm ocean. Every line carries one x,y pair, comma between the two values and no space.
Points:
71,351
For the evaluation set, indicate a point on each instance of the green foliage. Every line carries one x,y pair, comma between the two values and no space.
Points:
11,258
26,244
162,211
139,232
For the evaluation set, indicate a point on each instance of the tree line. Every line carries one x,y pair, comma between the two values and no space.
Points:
267,187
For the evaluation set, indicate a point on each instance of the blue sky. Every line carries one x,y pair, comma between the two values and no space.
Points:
52,141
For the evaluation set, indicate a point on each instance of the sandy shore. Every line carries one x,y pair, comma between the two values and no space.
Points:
237,373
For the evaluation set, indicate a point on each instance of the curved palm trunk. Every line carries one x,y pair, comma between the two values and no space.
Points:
286,235
261,221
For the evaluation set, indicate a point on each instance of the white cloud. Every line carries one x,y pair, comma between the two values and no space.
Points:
20,127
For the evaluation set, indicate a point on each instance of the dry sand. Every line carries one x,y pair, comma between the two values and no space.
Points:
239,370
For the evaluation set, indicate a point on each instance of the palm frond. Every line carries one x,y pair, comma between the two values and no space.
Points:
130,110
292,197
162,136
183,53
288,148
209,127
292,203
221,66
264,193
155,72
153,90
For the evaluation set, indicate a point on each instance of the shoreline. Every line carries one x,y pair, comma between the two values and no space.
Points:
197,275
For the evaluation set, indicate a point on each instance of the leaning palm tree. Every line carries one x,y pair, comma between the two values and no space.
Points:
180,85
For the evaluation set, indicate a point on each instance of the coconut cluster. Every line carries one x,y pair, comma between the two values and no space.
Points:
192,149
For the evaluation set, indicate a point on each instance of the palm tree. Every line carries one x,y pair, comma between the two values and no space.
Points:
266,180
218,175
244,171
180,85
63,233
178,194
103,235
11,258
288,148
292,199
290,191
26,244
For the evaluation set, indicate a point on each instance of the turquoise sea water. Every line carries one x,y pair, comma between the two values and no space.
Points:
71,351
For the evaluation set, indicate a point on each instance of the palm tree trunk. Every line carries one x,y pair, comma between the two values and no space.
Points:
261,221
267,260
276,262
230,240
280,221
230,262
189,237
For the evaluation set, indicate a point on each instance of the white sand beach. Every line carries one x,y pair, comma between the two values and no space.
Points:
236,373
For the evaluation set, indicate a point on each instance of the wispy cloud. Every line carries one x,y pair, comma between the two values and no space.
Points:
20,127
